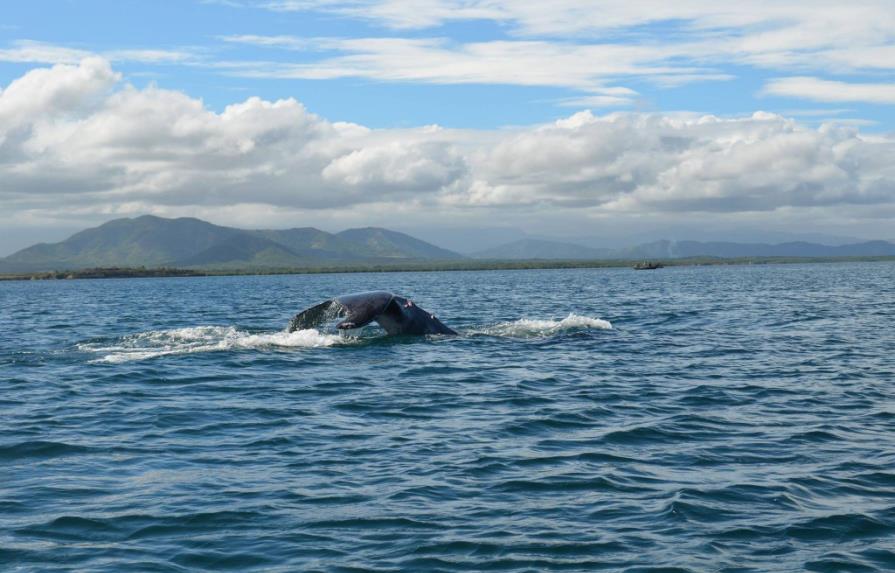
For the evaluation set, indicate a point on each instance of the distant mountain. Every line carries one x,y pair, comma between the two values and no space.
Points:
152,241
466,240
542,249
539,249
793,249
652,250
392,244
243,250
311,243
733,235
143,241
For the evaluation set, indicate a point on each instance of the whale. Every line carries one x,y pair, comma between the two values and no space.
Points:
395,314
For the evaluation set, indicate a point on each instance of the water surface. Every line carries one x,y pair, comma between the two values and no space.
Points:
685,419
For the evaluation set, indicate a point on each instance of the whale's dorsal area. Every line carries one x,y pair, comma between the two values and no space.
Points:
395,314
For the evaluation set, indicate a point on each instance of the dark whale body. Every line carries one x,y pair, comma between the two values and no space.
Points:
395,314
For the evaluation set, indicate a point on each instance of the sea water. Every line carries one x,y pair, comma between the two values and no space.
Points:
723,418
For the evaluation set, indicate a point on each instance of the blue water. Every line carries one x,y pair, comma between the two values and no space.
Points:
687,419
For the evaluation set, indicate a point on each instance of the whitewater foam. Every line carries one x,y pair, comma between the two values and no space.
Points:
145,345
195,339
526,327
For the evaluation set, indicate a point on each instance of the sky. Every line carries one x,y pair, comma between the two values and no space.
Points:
457,120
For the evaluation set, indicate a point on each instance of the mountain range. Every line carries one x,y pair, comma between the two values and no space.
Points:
527,249
150,241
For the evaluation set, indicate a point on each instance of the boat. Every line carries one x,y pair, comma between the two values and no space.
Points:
647,266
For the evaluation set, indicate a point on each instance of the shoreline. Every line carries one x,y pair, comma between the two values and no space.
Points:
422,266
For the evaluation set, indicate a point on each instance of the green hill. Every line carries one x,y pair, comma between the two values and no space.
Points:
143,241
151,241
392,244
315,244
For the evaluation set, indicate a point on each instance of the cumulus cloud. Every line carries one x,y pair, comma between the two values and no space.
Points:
649,163
43,94
162,147
78,140
422,167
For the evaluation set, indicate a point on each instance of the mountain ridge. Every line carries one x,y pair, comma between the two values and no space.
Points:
152,241
536,249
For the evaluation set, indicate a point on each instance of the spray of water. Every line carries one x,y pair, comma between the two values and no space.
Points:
154,343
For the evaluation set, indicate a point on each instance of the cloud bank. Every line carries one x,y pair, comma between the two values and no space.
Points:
77,141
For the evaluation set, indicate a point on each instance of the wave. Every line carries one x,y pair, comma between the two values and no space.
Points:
39,449
527,327
195,339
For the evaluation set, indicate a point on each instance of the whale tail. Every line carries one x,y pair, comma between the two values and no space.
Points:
315,316
395,314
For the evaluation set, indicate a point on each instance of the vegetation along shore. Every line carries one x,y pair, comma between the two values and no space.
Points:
421,266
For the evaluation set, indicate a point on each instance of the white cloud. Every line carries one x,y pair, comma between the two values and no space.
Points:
43,94
397,165
778,24
79,142
282,41
658,163
29,51
828,35
398,14
148,56
588,68
587,46
816,89
703,38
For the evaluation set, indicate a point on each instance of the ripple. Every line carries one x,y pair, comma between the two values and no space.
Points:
727,419
40,449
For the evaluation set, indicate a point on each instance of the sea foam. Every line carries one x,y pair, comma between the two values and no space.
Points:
527,327
145,345
196,339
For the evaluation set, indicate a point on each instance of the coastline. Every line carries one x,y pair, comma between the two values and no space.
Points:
418,266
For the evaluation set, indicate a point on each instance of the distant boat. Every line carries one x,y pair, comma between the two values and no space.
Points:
647,266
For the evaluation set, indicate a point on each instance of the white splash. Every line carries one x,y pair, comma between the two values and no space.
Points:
529,327
194,339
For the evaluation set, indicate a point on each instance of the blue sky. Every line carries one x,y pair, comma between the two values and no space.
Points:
576,118
199,38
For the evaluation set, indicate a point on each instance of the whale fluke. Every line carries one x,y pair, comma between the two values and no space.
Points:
395,314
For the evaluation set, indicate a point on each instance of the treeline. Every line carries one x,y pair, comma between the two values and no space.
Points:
419,266
107,273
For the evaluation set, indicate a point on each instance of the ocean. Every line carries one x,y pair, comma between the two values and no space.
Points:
688,419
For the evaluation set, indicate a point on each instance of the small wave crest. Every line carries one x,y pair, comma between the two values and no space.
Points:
526,327
145,345
196,339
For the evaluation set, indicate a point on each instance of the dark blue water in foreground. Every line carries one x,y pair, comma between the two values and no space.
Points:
731,419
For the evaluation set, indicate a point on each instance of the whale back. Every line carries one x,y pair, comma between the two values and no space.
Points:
395,314
362,308
402,316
